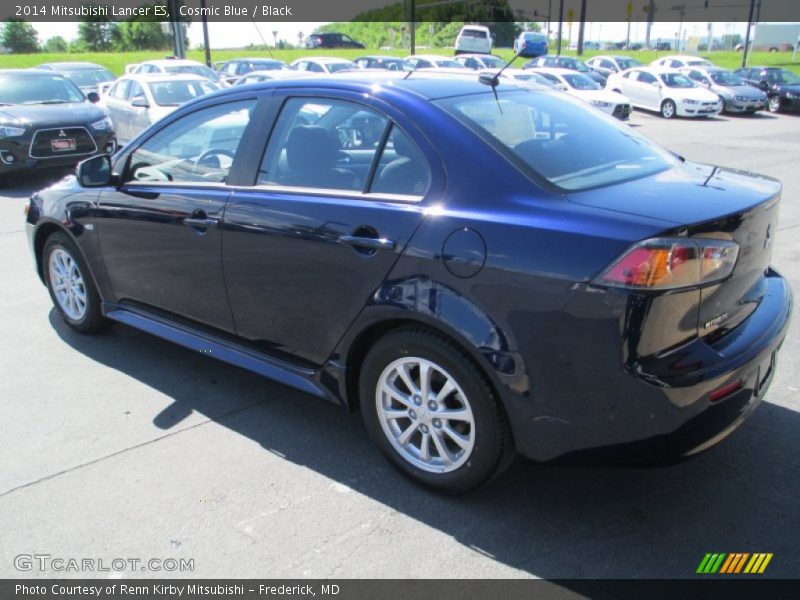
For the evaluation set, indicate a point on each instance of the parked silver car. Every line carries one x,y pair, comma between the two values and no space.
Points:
737,96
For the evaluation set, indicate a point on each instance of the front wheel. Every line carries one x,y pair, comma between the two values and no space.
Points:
668,109
70,284
432,412
774,104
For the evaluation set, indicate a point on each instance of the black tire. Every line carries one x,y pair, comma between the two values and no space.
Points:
668,109
774,104
493,449
4,181
92,320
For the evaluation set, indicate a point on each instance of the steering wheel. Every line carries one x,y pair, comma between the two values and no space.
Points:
213,152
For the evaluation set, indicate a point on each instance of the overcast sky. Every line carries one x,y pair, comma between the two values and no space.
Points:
237,35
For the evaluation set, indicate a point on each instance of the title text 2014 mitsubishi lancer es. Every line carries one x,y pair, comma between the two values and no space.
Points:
483,270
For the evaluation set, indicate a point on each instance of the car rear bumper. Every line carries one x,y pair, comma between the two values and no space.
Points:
661,406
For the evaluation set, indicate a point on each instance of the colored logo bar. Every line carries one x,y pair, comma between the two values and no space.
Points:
733,563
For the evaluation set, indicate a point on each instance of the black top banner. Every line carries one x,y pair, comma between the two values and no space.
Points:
402,10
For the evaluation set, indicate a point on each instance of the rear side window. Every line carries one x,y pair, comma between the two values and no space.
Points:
403,168
322,143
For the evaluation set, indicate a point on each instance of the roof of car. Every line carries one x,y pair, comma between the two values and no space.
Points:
72,65
555,71
380,57
430,85
324,59
264,59
38,72
612,57
477,55
657,69
168,62
431,57
157,77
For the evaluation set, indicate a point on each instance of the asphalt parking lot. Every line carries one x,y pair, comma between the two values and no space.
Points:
122,445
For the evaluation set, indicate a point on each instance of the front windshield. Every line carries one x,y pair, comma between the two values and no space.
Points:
628,63
38,89
581,82
726,78
176,92
786,77
676,80
89,77
492,62
448,64
557,138
200,70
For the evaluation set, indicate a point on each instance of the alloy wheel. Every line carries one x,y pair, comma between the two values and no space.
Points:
67,283
668,109
774,104
425,415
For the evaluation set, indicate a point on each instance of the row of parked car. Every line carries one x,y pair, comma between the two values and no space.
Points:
59,112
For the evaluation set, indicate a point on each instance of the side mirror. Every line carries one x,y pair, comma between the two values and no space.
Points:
93,97
140,102
562,86
95,171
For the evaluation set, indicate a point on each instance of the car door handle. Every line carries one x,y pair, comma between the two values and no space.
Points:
203,223
370,243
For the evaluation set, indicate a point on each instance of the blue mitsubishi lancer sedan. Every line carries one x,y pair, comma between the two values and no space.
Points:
482,270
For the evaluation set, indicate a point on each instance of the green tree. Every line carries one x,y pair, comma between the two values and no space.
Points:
55,45
19,37
97,32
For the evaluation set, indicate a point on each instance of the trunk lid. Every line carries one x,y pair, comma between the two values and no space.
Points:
708,202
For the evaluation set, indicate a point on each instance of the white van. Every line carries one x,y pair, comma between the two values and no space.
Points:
474,39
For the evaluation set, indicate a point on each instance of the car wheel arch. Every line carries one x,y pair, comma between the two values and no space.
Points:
43,233
370,334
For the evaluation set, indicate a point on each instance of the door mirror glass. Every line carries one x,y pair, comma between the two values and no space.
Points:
95,172
140,102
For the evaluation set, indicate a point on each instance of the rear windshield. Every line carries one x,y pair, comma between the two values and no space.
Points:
474,33
559,138
343,66
89,77
200,70
628,63
38,89
175,93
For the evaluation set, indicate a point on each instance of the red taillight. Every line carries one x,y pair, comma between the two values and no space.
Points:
670,263
725,391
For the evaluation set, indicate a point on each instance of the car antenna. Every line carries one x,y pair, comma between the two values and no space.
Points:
493,79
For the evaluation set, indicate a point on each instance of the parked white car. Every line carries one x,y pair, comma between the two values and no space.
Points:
322,65
432,61
666,91
481,61
608,64
175,66
474,38
681,62
134,102
586,89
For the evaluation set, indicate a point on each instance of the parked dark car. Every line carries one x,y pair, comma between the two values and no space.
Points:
481,269
781,86
331,40
46,121
233,70
567,62
87,76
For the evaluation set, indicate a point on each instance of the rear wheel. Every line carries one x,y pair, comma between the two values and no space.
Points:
432,413
668,109
774,104
70,284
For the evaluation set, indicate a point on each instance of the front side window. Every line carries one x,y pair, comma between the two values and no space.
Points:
556,138
198,148
676,80
322,143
